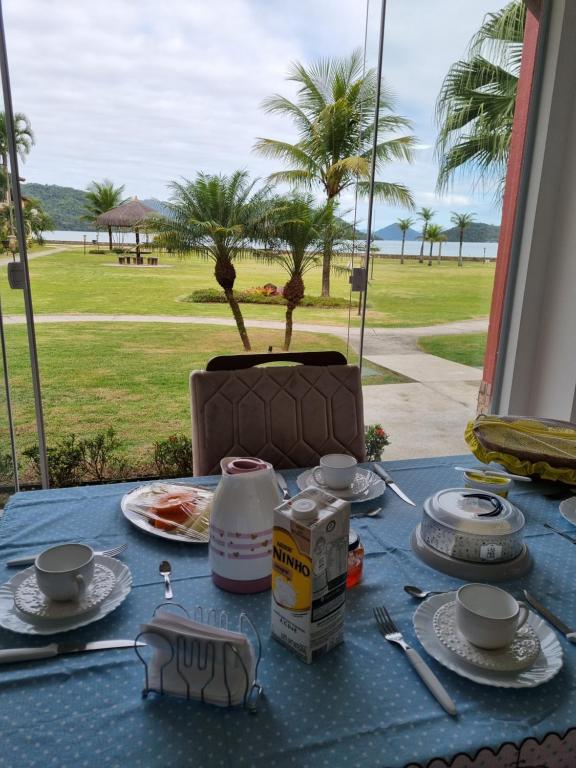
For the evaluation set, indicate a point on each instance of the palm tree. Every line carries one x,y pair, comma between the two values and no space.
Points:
404,225
334,117
462,221
426,214
216,216
102,197
475,106
433,235
24,143
295,234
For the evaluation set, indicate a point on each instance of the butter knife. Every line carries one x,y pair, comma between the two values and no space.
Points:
283,485
391,484
551,617
15,655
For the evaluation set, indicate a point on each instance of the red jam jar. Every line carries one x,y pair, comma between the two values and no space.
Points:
355,560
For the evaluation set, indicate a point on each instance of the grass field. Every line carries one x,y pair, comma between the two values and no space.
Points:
406,295
468,348
132,376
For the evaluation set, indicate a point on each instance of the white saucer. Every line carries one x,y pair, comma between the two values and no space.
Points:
568,509
34,604
521,652
12,619
365,486
547,664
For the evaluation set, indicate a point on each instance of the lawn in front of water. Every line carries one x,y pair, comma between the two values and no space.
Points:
405,295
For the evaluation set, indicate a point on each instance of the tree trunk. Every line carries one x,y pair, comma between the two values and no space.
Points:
421,259
440,250
110,238
460,249
430,254
402,251
288,330
235,307
326,263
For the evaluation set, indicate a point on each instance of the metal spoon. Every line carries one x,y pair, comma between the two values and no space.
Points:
166,570
419,593
370,513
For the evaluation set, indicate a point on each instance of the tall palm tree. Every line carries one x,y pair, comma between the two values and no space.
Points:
295,234
102,197
334,116
426,215
475,106
433,235
404,225
216,216
462,221
24,143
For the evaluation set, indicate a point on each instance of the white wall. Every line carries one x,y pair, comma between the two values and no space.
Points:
537,375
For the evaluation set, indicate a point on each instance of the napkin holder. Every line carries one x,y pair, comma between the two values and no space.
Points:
195,656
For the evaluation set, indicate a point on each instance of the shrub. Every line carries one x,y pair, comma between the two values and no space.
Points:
173,457
6,468
214,296
72,461
376,439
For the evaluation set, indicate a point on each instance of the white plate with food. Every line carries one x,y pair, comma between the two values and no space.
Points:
11,618
174,511
366,485
547,663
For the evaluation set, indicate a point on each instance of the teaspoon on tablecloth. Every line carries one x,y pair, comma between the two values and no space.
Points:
420,594
166,570
370,513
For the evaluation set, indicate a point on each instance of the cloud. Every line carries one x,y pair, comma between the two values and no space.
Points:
144,93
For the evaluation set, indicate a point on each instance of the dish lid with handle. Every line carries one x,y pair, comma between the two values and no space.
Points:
470,511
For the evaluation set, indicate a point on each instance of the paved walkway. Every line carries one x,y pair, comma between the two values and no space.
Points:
49,251
425,417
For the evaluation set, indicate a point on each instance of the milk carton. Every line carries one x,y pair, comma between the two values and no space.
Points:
309,565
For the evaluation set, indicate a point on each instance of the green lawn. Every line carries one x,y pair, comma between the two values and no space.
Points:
468,349
412,294
132,376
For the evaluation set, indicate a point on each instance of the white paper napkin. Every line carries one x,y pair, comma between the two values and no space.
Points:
190,658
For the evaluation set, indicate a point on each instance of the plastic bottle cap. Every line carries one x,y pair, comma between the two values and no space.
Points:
304,509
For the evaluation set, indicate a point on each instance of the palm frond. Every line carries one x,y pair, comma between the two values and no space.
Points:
395,194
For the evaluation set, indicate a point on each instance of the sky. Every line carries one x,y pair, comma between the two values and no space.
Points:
144,93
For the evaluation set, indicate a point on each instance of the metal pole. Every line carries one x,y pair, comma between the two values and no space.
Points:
372,175
21,235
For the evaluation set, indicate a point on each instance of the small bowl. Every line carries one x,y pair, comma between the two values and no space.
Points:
498,485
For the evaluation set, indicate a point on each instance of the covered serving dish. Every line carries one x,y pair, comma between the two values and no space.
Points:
472,535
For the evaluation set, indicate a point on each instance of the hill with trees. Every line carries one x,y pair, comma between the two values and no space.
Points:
477,232
64,205
393,232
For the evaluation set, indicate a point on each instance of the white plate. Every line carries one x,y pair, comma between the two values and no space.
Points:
547,664
30,600
131,499
367,485
568,509
12,619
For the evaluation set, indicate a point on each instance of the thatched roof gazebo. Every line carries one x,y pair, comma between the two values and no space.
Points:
130,215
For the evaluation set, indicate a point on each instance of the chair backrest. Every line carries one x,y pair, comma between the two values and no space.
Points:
287,415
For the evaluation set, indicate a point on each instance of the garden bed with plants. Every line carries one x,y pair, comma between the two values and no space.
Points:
215,296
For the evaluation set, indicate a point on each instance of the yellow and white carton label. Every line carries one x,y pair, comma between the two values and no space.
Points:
309,565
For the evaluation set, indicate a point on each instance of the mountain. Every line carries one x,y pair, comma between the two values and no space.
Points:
393,232
477,232
64,205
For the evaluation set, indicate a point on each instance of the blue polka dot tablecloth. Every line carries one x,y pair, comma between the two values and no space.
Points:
360,705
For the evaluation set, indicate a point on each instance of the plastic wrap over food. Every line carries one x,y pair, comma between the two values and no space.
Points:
174,507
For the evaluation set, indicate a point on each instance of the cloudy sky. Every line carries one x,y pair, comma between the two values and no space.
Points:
143,92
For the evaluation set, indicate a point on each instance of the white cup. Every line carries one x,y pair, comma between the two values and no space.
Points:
336,470
64,572
488,616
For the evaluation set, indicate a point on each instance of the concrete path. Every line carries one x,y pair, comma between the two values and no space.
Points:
425,417
50,251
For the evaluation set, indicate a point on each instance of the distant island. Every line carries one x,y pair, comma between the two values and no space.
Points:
478,232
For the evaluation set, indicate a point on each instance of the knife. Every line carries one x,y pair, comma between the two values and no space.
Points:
551,617
14,655
390,482
283,485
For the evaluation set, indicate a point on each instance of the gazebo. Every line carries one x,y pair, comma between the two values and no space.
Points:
130,215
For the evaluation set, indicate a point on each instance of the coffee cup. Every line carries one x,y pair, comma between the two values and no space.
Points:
488,616
336,470
64,572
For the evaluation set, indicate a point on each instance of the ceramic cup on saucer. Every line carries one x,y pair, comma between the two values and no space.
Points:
65,571
487,616
336,470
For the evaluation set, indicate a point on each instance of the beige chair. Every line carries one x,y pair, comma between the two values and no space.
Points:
288,415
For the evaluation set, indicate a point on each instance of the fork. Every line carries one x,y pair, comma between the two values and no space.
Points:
560,533
114,552
391,632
